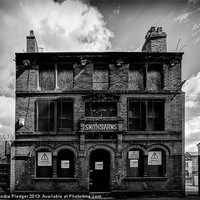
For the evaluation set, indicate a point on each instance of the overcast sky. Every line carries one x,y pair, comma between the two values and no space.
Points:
101,25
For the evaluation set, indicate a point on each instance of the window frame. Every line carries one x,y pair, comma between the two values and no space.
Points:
105,84
45,66
55,119
61,173
162,167
95,104
153,99
141,164
145,67
38,168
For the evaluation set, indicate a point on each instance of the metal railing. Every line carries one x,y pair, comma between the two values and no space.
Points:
192,179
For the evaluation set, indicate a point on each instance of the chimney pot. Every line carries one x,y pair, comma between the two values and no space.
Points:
31,33
153,28
159,29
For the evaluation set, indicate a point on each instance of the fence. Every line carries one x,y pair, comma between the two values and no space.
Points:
191,176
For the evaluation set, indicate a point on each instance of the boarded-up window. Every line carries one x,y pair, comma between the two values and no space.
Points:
146,114
100,79
65,77
135,163
44,166
137,77
47,77
154,77
156,163
65,163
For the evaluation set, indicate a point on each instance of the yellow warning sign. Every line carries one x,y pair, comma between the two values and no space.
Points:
44,159
155,158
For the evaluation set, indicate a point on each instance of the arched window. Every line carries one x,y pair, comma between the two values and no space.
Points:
44,163
156,163
65,163
135,163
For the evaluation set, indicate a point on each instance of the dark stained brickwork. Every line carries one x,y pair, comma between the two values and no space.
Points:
75,81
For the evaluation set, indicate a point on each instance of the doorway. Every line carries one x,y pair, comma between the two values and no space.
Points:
99,171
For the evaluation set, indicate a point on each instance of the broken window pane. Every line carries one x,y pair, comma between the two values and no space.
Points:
100,109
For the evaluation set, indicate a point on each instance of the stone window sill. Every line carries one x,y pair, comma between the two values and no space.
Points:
55,179
145,178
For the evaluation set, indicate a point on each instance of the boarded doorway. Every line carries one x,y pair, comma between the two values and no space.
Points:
99,171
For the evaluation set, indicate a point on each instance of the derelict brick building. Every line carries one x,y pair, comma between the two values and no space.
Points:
99,121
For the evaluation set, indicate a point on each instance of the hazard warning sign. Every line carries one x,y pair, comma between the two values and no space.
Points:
155,158
44,159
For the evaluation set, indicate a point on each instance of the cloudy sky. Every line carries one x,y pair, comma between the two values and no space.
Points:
101,25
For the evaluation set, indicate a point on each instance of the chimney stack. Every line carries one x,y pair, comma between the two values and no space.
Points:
155,40
31,43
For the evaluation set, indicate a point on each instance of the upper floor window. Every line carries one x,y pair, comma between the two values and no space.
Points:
56,76
144,76
146,114
154,77
100,78
100,109
136,77
45,115
54,115
47,77
65,76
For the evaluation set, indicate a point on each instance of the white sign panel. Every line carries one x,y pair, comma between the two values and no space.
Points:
133,163
65,164
155,158
44,159
133,154
98,165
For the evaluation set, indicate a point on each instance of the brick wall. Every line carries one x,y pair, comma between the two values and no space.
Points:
119,78
155,40
77,83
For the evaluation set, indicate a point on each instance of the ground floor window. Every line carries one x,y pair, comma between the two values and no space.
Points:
65,163
44,166
48,166
151,165
135,163
156,163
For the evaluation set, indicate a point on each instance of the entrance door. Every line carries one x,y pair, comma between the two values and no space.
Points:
99,171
